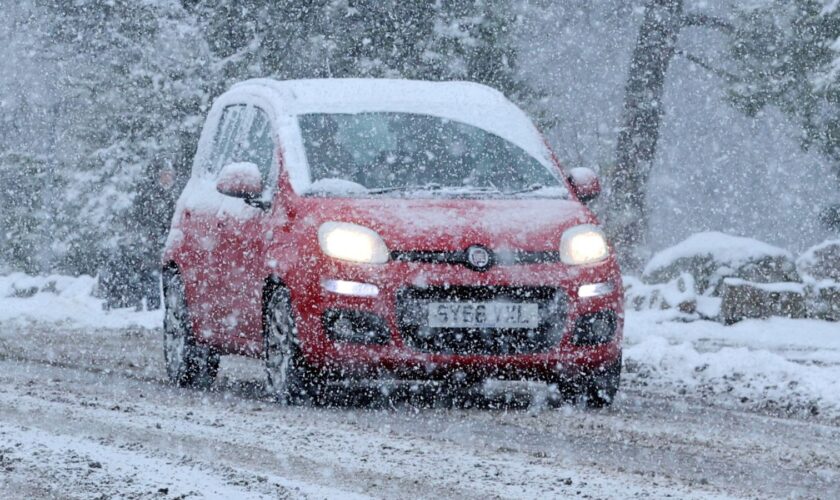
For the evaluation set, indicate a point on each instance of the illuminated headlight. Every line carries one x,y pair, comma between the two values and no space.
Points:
352,242
583,245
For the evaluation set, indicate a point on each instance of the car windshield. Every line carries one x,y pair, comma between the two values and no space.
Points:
400,154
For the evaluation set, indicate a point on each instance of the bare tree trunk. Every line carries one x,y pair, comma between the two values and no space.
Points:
627,210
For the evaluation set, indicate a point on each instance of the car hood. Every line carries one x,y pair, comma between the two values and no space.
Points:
423,224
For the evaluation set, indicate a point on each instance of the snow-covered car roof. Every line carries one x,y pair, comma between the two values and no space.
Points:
466,102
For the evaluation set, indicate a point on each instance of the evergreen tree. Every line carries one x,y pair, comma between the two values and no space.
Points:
133,91
460,39
786,55
27,177
22,181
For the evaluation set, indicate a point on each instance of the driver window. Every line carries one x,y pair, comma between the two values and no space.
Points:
227,134
244,135
257,145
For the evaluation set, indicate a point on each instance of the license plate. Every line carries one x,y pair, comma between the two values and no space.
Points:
483,315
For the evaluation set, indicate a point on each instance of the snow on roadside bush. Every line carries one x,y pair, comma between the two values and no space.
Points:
820,270
677,296
820,262
56,298
712,256
708,260
737,278
678,293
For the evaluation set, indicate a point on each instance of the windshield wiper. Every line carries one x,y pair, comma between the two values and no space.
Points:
532,187
390,189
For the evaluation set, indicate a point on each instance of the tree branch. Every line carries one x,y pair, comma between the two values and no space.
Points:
725,75
708,21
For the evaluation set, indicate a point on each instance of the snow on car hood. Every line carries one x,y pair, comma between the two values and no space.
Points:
425,224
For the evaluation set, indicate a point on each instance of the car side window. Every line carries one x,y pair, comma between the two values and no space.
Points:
244,134
227,135
257,144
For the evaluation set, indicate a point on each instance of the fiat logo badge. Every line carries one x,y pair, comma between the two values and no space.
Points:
478,257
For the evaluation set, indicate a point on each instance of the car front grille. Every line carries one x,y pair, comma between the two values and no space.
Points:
459,257
412,317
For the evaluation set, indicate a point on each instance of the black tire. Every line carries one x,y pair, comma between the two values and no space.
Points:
188,364
564,392
600,387
596,389
289,380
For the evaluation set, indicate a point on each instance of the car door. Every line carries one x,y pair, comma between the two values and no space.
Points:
201,206
223,264
238,259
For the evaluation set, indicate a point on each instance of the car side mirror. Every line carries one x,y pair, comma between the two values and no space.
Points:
585,184
242,180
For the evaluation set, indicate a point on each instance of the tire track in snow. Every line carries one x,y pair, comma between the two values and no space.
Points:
390,464
663,444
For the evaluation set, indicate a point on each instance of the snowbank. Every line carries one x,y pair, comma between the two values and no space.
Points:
67,299
777,363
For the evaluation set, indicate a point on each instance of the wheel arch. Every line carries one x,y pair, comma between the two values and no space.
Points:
170,268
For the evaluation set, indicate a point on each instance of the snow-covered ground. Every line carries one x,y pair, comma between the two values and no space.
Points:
706,410
777,364
64,300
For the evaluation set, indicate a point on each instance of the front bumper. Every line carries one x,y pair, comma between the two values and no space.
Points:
547,351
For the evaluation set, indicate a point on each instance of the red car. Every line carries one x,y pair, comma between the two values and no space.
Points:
345,229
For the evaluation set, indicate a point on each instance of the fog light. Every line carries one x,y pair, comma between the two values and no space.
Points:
354,288
595,290
358,327
595,328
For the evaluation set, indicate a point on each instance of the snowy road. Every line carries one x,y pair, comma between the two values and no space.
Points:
85,412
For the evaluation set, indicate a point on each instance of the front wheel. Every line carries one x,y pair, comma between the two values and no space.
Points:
288,377
597,389
188,364
601,386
